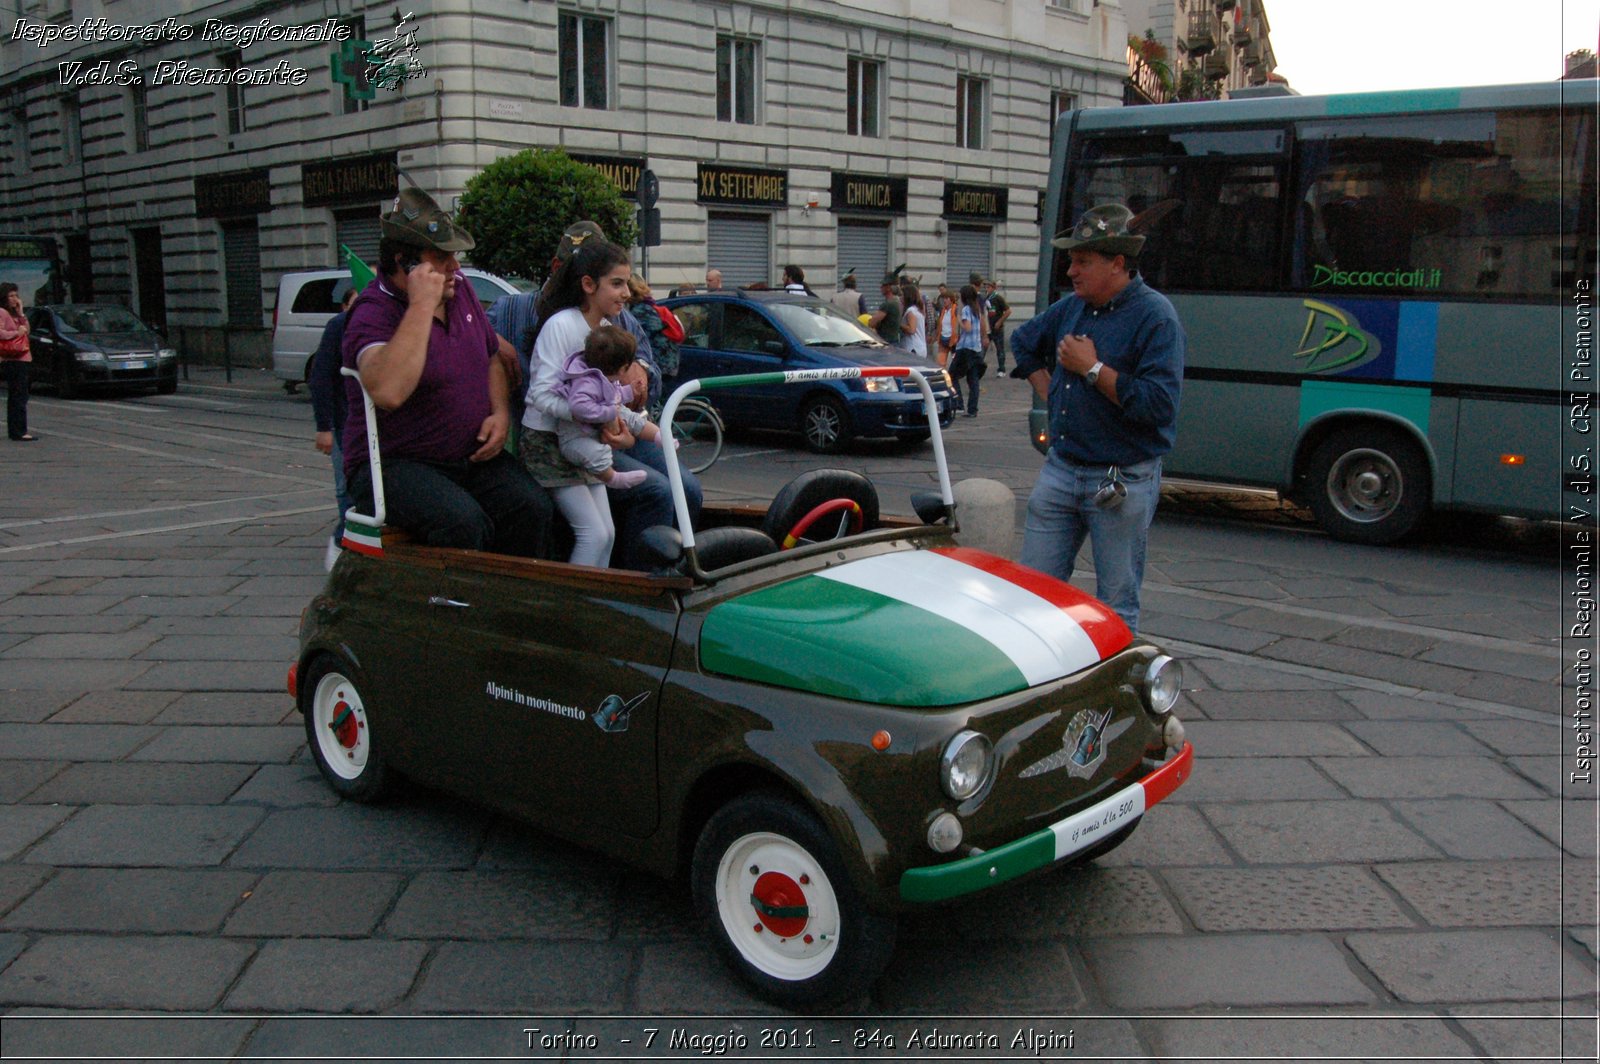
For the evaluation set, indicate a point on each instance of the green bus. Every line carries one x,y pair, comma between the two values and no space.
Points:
1388,296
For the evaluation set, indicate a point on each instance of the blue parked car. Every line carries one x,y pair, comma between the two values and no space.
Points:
749,331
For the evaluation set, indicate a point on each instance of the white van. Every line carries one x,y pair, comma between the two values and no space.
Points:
306,301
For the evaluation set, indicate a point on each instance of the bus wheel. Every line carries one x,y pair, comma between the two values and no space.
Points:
1368,484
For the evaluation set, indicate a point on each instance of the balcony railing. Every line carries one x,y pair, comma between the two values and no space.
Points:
1243,30
1217,65
1146,80
1202,34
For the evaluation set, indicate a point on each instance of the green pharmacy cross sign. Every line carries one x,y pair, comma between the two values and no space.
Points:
362,67
351,68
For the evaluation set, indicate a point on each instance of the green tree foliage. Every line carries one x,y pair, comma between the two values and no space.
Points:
518,207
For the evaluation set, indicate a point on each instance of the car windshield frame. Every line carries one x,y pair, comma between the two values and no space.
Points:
818,324
75,318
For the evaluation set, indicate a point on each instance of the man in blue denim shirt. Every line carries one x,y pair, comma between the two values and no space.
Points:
1109,358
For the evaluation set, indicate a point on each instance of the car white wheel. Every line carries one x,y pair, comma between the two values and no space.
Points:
770,885
776,904
340,722
339,730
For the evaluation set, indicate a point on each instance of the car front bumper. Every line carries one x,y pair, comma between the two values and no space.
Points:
1060,840
121,372
900,417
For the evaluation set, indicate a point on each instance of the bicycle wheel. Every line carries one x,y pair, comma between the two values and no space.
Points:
698,431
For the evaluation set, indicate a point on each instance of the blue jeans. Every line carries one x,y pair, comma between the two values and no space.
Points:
341,490
638,508
493,505
1062,512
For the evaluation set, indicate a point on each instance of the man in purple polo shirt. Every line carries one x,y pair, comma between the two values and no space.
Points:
426,354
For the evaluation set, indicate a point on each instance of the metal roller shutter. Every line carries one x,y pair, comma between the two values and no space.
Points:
864,249
970,250
740,245
241,258
358,231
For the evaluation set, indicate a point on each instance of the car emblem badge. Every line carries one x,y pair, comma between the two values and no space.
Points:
1083,746
614,713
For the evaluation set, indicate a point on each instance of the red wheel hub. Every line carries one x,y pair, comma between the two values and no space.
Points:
344,725
780,904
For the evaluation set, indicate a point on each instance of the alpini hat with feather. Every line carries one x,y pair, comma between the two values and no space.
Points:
1106,229
417,220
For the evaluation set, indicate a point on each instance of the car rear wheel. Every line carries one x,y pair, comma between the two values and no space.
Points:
1368,484
769,884
339,732
825,424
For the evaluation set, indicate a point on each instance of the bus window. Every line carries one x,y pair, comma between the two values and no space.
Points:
1224,234
1468,205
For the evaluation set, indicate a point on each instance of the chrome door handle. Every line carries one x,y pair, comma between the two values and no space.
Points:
440,600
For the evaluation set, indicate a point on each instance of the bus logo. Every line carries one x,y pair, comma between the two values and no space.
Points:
1342,341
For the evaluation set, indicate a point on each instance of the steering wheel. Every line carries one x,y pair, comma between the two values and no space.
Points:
850,521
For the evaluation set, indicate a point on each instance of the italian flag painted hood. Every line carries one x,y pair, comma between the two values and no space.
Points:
912,628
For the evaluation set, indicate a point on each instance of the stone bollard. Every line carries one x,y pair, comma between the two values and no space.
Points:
987,512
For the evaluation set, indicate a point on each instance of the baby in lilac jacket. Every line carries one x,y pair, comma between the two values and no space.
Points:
590,387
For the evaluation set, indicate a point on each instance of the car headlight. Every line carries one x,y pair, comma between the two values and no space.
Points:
1160,683
166,352
89,356
965,765
881,384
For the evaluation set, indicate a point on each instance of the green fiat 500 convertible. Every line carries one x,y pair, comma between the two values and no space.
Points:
824,714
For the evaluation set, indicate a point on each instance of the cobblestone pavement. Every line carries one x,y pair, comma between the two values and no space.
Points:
1377,857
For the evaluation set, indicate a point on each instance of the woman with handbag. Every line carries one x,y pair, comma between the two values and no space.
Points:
14,358
968,364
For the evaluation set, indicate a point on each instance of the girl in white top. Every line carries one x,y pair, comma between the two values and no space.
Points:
590,290
914,325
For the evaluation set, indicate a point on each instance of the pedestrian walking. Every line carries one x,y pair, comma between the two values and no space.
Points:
968,365
999,310
913,325
1109,358
889,313
946,330
15,355
850,302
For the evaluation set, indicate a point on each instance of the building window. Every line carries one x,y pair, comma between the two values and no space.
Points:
972,101
139,118
1060,104
19,141
349,105
1070,5
738,75
233,93
865,97
71,130
585,57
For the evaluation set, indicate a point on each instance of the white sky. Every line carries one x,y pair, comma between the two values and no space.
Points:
1325,46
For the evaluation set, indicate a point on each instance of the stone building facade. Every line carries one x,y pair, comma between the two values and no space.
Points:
831,134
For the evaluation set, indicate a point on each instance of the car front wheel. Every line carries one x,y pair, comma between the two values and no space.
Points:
770,885
825,425
339,732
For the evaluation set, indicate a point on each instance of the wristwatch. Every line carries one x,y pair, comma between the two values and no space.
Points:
1093,373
